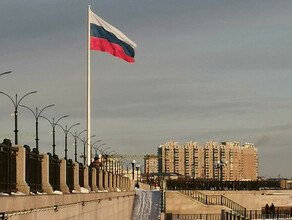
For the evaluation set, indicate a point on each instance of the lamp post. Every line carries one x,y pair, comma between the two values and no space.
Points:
85,141
76,136
219,165
133,168
112,151
121,163
103,151
53,124
5,73
66,131
16,103
111,159
104,155
97,148
36,115
137,168
141,172
92,146
193,171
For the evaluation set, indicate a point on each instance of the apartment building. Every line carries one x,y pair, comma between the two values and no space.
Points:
223,161
151,164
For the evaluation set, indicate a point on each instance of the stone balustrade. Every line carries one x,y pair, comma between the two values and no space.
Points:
98,181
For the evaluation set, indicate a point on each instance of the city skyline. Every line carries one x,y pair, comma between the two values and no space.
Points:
227,161
204,70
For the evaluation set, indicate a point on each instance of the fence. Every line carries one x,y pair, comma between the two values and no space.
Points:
278,213
54,171
204,184
27,171
215,200
70,174
170,216
33,174
81,175
8,167
90,176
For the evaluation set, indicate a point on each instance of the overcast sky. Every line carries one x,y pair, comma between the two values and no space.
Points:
205,70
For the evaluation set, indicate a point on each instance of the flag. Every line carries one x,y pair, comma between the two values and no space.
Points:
106,38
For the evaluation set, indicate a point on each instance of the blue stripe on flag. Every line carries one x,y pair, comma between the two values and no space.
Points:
100,32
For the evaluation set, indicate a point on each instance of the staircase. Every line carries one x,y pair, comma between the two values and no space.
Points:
215,200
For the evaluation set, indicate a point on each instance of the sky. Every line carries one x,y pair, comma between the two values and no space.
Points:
204,70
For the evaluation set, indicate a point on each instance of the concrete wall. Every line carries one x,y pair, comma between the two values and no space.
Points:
92,206
144,186
255,200
178,203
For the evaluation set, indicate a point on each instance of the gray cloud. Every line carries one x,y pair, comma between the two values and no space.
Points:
205,70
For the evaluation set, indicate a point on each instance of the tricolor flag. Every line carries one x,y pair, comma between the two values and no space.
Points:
104,37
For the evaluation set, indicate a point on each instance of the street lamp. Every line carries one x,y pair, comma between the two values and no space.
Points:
137,168
97,148
76,136
103,150
85,141
53,124
112,159
109,153
105,156
66,131
219,165
141,167
133,164
16,103
121,163
36,115
92,146
5,73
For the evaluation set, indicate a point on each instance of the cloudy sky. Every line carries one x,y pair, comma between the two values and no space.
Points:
205,70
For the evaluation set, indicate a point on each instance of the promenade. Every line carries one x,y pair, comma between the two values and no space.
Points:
41,186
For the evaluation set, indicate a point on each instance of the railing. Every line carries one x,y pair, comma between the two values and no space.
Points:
215,200
239,209
33,174
278,213
193,216
70,174
90,177
30,172
8,167
103,179
97,176
210,184
81,175
54,171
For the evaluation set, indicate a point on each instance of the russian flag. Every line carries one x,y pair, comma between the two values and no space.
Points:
106,38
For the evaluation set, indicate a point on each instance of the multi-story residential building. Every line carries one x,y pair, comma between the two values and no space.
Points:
224,161
151,164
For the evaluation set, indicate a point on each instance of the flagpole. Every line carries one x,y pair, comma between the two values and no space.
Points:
88,89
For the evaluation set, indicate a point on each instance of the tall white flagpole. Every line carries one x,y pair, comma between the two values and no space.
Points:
88,89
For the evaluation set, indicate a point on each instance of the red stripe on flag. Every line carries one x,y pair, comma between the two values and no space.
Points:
113,49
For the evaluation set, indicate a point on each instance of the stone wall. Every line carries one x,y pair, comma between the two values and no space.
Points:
110,196
178,203
144,186
90,206
255,200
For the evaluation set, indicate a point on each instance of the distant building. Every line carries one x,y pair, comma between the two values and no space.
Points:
226,161
151,164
